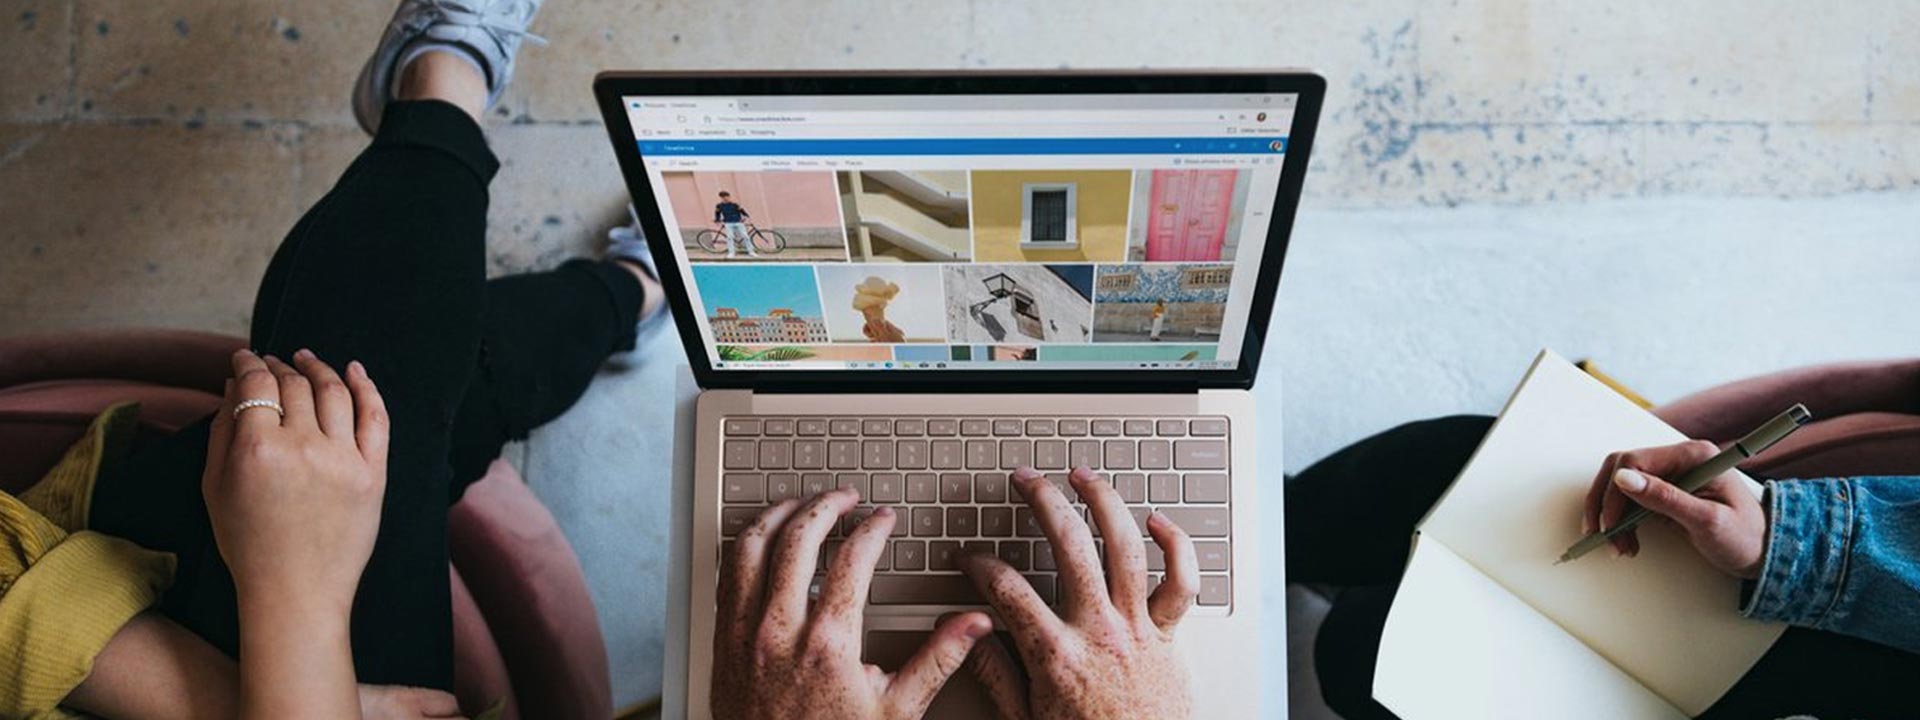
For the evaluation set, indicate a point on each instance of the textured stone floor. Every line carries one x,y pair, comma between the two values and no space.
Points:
1627,175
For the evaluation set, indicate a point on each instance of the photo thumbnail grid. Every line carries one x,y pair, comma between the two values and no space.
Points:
927,267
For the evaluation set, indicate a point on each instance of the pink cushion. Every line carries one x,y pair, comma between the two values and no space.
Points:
180,358
1866,418
530,587
40,420
479,673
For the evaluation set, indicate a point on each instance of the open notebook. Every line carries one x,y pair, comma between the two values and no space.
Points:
1486,626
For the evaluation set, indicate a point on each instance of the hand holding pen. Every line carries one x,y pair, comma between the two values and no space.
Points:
1722,519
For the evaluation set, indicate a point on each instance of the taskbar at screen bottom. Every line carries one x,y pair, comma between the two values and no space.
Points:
1005,364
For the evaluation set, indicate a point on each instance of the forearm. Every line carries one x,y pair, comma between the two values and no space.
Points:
296,660
154,669
1843,555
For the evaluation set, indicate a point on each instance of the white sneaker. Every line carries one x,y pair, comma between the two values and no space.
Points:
489,30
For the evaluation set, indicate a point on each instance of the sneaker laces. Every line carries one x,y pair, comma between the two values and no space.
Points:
463,13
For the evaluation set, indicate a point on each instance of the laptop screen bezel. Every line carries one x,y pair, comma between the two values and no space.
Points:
612,88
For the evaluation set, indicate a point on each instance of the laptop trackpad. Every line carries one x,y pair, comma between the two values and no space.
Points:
962,699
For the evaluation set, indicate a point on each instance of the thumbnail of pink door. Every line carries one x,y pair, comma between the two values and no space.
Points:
1187,220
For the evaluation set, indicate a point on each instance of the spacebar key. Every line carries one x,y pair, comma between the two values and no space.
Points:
923,590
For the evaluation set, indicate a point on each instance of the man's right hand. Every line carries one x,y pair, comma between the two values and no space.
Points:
1109,652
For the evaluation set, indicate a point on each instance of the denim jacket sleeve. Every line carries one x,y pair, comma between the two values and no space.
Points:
1843,555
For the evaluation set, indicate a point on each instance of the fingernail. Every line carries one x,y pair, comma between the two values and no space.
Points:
883,511
1026,473
356,368
1155,518
978,628
303,354
1629,480
270,358
1586,526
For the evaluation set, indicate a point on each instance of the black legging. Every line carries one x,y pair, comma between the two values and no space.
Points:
1350,521
389,269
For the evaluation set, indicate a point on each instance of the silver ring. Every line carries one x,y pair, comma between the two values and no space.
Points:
245,405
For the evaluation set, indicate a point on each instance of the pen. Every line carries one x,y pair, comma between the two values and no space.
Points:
1760,439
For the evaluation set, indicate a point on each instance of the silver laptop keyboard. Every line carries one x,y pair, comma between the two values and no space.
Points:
947,480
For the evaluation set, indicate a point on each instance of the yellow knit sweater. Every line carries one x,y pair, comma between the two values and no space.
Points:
64,590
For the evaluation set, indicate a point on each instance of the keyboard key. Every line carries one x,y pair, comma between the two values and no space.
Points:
858,481
1154,455
1050,454
812,484
976,547
1043,585
927,522
990,487
942,428
901,523
1200,454
876,454
876,427
1139,428
735,520
1140,517
1017,553
943,555
1043,556
781,427
981,454
887,488
910,428
743,427
1209,427
974,427
1213,522
776,454
996,521
854,518
963,521
843,454
782,486
1213,555
1119,455
947,455
1073,428
743,488
1025,524
922,488
890,589
956,487
1170,428
843,426
1163,488
809,454
1206,488
1006,428
1106,428
1015,453
1215,590
1084,453
1040,428
1132,487
827,550
1156,558
1064,482
909,555
810,427
911,455
739,455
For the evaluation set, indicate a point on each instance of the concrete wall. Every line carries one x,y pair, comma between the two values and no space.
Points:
1100,212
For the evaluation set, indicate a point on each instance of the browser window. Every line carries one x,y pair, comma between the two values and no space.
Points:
936,232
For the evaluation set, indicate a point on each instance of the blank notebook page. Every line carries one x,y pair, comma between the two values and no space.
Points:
1666,617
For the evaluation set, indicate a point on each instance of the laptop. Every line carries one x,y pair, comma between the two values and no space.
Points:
911,283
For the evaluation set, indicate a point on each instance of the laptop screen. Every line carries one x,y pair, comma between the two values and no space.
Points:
931,233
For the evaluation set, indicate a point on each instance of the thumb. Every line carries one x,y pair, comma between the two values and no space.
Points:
921,678
1663,498
996,670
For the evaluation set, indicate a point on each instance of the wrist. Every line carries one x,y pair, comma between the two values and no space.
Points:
276,603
